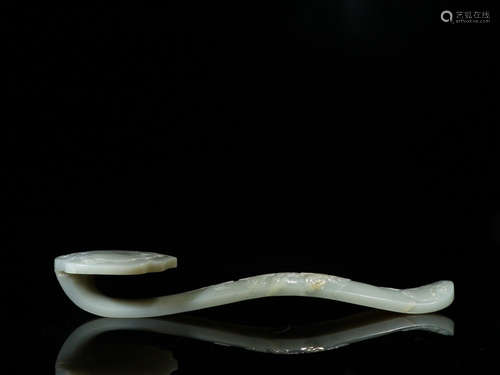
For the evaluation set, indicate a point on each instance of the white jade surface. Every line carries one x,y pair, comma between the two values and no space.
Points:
74,273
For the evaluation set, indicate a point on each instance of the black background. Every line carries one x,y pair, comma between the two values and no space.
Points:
351,138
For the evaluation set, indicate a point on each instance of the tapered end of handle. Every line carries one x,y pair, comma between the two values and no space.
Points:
432,297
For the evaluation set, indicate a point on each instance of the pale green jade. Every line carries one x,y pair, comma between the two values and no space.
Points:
75,274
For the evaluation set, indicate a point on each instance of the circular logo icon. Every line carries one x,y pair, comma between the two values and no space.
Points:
446,16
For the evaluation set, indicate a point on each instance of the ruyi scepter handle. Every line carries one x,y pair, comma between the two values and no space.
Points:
75,272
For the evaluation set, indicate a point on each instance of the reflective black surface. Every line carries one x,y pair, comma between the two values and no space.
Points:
257,335
100,346
350,138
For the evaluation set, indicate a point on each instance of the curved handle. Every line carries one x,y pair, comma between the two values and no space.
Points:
75,274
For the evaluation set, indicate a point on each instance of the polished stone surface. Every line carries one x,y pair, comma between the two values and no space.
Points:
75,273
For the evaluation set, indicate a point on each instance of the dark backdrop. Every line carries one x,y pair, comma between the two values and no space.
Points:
352,138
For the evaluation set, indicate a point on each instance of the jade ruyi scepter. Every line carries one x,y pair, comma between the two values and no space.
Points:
76,272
